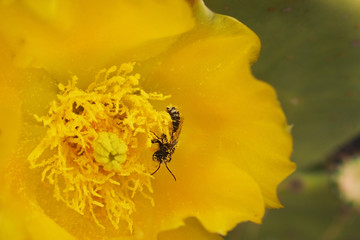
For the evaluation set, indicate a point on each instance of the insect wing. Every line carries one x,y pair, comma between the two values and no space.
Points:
175,135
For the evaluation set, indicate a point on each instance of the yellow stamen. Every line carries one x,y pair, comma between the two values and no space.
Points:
95,139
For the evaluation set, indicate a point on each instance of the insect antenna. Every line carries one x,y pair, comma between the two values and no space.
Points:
169,171
156,169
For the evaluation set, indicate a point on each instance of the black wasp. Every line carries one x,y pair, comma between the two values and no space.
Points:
166,146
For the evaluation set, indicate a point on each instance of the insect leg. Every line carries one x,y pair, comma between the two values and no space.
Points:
157,169
156,135
169,171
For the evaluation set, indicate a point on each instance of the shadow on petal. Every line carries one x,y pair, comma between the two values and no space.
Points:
191,230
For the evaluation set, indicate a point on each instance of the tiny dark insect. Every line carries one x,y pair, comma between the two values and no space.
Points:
166,146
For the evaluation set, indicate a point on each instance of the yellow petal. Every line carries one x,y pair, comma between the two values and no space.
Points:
230,117
210,188
84,36
30,90
10,120
21,218
10,117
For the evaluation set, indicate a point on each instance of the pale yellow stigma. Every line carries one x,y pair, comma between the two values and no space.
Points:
110,151
96,139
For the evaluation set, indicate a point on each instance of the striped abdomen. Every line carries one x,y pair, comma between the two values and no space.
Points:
175,117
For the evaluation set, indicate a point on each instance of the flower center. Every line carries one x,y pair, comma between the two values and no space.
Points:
96,139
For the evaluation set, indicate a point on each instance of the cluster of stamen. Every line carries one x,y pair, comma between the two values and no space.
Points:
95,139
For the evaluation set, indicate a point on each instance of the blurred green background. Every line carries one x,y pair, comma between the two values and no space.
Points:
311,55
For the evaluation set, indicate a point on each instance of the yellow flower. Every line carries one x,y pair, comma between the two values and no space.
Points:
77,151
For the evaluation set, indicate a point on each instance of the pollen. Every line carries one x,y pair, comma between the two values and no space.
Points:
93,151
